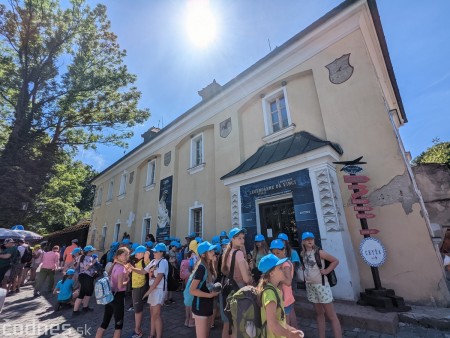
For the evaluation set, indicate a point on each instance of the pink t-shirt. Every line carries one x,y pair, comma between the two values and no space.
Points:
50,260
117,270
288,295
237,272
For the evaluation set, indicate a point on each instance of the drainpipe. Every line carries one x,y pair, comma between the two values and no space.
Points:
434,238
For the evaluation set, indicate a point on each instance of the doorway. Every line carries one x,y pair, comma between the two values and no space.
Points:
277,217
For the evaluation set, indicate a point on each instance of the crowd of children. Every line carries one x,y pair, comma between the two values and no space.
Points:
209,274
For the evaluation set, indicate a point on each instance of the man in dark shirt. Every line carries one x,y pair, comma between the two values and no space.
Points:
6,256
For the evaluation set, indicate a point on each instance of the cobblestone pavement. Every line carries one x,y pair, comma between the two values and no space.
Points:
26,316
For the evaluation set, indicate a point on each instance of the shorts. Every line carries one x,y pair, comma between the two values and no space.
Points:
200,317
288,309
156,297
136,295
16,270
319,294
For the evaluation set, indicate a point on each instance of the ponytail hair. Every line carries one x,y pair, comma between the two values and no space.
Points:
225,269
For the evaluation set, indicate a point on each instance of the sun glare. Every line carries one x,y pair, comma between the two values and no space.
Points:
201,23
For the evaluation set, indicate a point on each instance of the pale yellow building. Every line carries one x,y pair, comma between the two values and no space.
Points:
258,153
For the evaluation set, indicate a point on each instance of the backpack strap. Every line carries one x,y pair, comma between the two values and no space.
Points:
201,284
233,261
164,275
319,262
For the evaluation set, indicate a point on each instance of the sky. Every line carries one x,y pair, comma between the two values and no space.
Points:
171,69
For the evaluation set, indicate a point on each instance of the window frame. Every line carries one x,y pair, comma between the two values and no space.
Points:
192,225
123,185
266,104
151,183
99,196
144,228
116,232
103,238
110,194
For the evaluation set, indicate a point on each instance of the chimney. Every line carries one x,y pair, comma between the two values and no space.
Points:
210,90
151,133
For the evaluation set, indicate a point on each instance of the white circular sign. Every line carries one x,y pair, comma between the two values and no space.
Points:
372,251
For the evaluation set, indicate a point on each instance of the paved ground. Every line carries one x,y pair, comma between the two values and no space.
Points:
26,316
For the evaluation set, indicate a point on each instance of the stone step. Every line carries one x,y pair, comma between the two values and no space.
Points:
351,314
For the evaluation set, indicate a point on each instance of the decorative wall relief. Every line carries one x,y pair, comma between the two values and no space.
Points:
331,211
235,210
225,128
340,69
167,158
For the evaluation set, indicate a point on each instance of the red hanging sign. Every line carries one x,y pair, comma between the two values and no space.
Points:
362,208
365,216
369,231
360,201
356,179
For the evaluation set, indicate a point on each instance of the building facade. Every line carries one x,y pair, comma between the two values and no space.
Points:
258,153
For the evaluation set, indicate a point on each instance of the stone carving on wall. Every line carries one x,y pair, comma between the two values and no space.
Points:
225,128
340,69
331,211
234,210
167,158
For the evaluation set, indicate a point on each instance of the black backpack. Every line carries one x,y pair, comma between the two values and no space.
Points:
27,255
332,279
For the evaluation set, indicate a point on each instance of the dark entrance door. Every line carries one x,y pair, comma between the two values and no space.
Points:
276,217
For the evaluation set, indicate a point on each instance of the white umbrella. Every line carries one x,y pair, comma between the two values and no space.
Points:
6,233
29,235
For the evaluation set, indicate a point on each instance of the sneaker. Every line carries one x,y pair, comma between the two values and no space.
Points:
171,300
137,335
75,313
130,309
87,309
37,294
166,303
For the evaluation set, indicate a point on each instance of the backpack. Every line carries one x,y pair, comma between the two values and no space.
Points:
184,269
173,278
188,297
103,291
103,259
165,277
27,255
332,279
245,308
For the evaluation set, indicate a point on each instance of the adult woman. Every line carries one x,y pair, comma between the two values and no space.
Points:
241,273
201,286
37,254
259,251
86,279
318,294
277,247
271,301
158,270
50,261
119,279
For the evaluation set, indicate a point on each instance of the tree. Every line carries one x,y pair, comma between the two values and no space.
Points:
438,153
66,198
63,85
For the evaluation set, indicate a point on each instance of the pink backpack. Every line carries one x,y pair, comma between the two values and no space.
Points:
184,269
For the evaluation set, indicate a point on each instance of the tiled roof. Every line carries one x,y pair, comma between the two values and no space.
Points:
79,226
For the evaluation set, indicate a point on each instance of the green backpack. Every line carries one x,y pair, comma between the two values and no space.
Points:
245,308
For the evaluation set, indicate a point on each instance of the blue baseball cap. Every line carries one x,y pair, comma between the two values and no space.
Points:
175,243
94,256
224,241
223,233
70,272
160,247
307,235
215,240
283,236
149,244
192,235
89,248
277,244
236,231
259,238
268,262
204,247
198,239
75,251
134,246
139,249
113,244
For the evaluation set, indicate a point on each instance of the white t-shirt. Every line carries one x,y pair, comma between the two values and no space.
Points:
21,249
162,267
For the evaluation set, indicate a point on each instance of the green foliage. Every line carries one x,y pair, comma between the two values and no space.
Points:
65,199
438,153
64,85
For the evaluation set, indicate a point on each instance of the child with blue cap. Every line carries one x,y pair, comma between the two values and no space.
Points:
64,288
272,305
318,290
260,249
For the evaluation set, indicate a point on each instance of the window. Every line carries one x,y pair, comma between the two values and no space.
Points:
110,191
123,184
94,233
98,201
116,232
103,240
146,228
276,111
197,151
196,221
150,173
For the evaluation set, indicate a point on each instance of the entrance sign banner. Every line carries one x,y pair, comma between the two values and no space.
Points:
372,251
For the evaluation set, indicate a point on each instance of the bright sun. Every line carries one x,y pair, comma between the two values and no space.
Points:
201,23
